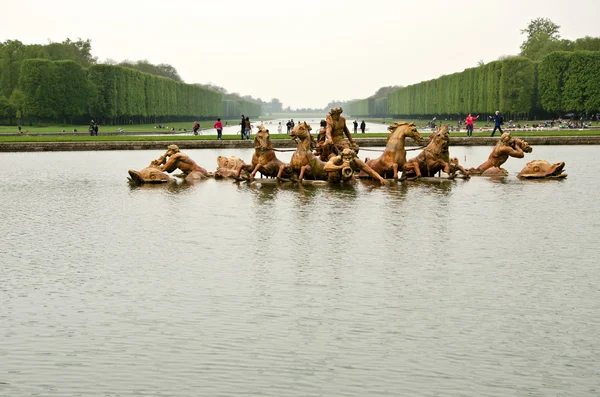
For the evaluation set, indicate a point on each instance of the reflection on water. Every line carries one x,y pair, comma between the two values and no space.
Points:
477,287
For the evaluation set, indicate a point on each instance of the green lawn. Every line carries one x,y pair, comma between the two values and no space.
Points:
453,123
112,138
209,124
113,128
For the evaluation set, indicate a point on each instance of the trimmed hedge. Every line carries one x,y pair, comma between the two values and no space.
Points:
63,89
561,82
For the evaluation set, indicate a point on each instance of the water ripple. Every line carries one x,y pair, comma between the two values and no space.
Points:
465,288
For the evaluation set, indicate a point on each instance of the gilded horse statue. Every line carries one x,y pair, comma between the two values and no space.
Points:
434,158
394,155
264,158
304,163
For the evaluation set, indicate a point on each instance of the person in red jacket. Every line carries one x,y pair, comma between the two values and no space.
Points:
219,127
469,121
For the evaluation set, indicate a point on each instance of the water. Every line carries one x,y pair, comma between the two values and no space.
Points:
466,288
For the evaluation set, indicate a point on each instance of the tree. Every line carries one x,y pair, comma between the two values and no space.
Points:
382,91
11,56
551,80
73,90
539,32
276,105
39,82
5,109
169,71
17,102
79,51
164,70
587,43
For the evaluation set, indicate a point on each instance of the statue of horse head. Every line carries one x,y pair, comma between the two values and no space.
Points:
402,129
301,133
262,139
439,139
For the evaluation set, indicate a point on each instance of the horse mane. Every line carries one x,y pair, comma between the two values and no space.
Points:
392,128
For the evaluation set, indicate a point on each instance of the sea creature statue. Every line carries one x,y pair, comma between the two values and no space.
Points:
171,160
227,167
304,163
342,168
394,156
264,158
541,169
434,158
150,174
506,147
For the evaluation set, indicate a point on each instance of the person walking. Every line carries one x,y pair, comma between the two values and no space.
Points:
243,127
279,128
96,129
363,126
469,120
91,128
355,126
196,127
248,128
498,121
219,127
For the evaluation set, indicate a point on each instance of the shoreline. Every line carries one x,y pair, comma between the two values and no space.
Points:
277,143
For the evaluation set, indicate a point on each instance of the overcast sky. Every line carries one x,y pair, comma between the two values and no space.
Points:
306,53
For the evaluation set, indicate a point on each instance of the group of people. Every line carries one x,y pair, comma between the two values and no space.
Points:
246,127
290,125
497,118
93,128
363,126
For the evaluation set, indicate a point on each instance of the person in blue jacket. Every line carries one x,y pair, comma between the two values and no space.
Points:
498,121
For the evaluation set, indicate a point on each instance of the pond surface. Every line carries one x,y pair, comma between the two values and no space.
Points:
462,288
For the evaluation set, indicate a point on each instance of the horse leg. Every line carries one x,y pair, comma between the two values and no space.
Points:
239,171
446,167
427,166
254,172
281,167
303,170
395,170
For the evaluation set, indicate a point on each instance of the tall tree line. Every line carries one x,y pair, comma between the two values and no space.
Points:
63,82
562,82
551,76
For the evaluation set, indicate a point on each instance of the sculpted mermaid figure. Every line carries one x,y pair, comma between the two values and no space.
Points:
506,147
171,160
